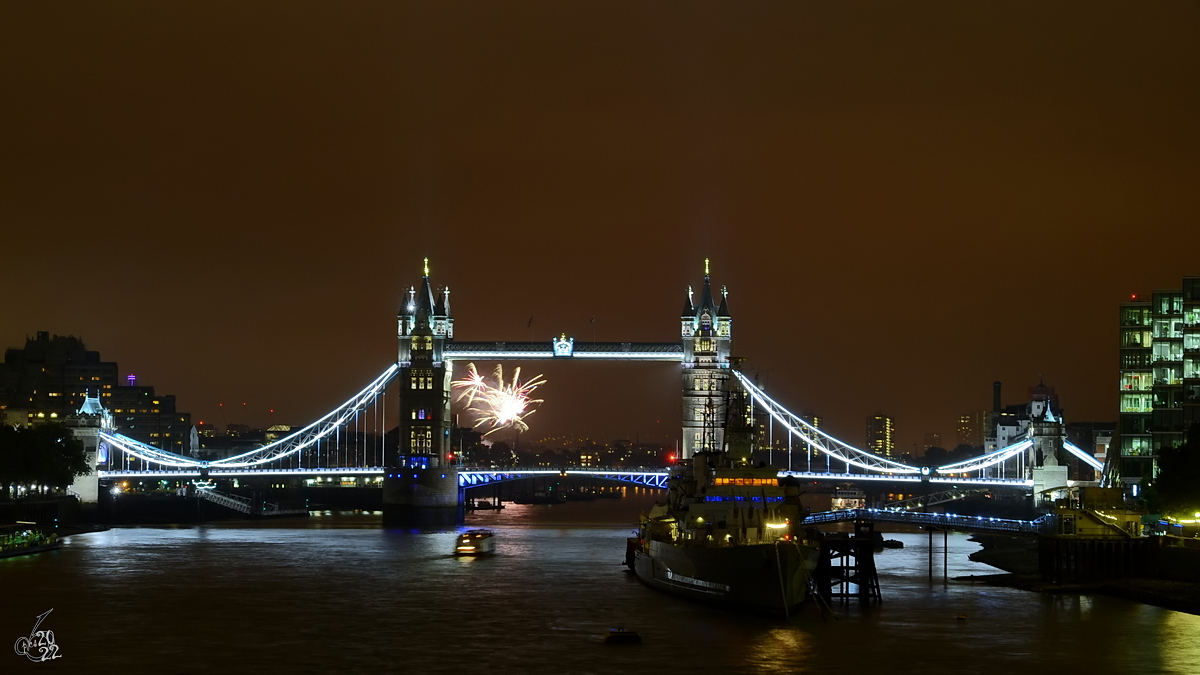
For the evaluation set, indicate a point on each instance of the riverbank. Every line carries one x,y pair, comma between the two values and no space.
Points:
1181,596
1019,559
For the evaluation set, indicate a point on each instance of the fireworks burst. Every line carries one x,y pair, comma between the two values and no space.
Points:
500,406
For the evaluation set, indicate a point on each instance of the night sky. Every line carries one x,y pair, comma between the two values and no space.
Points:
907,201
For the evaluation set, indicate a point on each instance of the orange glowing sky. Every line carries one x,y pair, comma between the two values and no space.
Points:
906,202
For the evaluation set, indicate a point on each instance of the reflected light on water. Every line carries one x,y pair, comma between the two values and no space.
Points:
1179,642
780,650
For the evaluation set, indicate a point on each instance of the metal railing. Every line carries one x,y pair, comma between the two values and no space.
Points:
235,502
244,504
944,521
932,499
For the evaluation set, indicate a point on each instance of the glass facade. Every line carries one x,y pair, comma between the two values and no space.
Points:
1136,400
1160,374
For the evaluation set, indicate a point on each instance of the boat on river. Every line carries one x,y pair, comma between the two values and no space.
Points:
620,636
476,543
25,539
727,533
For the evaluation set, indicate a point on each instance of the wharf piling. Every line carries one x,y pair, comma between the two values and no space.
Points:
846,568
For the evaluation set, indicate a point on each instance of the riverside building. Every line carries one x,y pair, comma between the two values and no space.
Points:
1159,375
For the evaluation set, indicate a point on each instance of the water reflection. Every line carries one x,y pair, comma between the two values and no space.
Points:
779,650
273,596
1178,642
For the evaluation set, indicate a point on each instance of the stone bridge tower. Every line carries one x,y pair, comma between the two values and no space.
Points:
420,487
424,326
706,330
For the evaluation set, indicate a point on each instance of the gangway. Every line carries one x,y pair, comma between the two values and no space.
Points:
244,504
932,499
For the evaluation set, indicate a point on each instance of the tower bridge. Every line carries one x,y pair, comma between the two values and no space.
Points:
720,405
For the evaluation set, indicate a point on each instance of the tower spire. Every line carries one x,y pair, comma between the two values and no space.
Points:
706,268
426,268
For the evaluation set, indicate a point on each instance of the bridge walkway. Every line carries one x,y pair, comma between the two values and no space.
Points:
941,521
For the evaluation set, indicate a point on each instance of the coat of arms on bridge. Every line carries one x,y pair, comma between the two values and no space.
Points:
564,346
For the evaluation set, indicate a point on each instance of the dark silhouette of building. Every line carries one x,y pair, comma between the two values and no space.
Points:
141,414
52,375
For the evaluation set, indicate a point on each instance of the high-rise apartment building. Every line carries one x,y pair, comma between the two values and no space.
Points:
881,435
811,451
971,428
1159,375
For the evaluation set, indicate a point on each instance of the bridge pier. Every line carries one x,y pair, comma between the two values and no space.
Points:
945,554
416,497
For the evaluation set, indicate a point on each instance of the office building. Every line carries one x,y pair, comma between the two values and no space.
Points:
1159,375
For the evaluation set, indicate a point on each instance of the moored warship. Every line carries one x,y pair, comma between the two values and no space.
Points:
729,531
727,534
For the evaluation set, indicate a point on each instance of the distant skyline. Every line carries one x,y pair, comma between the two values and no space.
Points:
906,203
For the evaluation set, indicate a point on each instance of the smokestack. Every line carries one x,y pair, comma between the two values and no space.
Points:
996,397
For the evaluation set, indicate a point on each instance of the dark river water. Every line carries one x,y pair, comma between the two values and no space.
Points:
337,593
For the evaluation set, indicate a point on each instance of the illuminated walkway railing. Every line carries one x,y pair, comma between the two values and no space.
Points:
852,456
909,478
945,521
187,474
287,446
649,478
290,447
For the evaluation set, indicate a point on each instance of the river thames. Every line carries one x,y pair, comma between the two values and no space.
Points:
336,591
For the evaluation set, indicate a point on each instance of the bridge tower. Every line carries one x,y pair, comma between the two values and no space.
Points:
705,331
424,326
420,485
1044,459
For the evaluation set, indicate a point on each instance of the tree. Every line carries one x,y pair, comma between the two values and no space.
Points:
1178,482
44,454
962,453
936,456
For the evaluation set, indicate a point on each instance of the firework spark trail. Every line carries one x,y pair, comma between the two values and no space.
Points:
473,385
501,406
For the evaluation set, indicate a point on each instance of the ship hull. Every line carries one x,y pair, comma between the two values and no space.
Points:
763,577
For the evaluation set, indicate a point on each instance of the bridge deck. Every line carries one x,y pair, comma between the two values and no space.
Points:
613,351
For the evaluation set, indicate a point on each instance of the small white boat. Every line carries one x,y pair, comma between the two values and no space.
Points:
475,542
